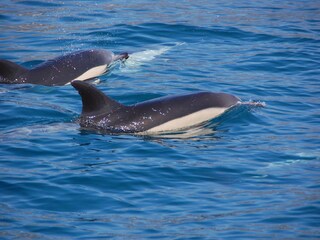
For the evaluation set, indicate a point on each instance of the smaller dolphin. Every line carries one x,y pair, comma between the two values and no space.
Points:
157,115
80,65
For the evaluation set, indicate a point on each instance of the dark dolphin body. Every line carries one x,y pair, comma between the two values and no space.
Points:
81,65
161,114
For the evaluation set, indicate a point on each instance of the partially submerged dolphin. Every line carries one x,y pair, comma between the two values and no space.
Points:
81,65
157,115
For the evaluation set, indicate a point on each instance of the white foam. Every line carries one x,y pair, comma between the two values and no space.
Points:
254,104
285,163
137,59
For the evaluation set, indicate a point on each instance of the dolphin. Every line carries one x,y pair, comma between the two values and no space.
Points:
80,65
164,114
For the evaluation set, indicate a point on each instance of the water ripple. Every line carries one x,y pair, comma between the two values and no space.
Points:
251,173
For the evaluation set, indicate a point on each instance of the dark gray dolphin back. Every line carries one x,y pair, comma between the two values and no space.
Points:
66,68
94,101
101,112
10,72
161,110
81,65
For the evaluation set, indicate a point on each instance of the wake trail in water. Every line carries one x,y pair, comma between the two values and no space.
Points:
137,59
32,131
253,104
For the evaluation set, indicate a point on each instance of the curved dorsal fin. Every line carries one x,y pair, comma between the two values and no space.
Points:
10,71
94,101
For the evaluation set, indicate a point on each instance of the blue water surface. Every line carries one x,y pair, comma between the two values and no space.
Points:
251,173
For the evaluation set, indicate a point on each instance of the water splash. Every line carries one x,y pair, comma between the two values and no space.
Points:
253,104
137,59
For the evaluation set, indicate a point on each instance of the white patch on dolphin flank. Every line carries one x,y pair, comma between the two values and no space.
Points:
188,120
92,72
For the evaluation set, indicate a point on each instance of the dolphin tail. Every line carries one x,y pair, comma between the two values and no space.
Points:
10,72
94,101
121,56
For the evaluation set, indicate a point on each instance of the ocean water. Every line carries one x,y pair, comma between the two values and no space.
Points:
252,173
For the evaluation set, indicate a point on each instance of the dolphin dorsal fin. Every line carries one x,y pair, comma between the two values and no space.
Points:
94,101
10,71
